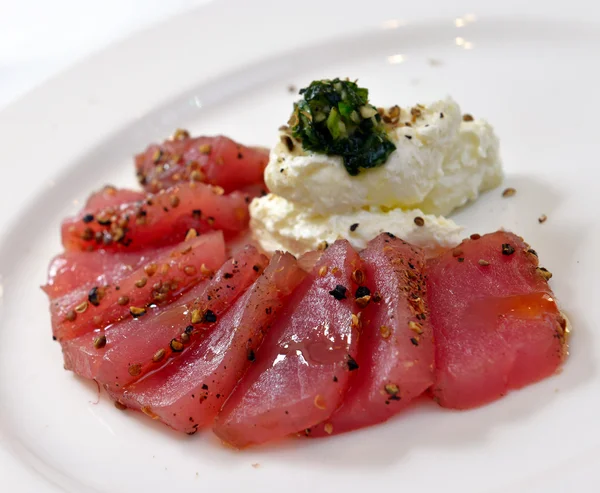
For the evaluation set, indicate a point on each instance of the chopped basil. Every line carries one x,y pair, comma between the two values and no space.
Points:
335,118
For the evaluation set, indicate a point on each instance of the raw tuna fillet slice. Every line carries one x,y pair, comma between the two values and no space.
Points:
302,369
495,321
188,392
395,352
136,347
110,196
157,282
215,160
72,270
158,220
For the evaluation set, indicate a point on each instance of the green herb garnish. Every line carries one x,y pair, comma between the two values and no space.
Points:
335,118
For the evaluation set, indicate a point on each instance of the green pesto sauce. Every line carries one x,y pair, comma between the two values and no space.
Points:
334,117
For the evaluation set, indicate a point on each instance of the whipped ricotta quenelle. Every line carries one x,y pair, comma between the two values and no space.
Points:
421,164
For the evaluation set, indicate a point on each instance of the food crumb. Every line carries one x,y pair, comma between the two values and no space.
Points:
256,465
509,192
542,218
292,88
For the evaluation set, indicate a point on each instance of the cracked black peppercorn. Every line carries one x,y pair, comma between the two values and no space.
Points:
339,292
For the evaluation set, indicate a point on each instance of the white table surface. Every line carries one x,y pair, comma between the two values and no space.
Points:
40,38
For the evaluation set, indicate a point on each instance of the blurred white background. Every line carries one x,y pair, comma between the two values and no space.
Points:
39,38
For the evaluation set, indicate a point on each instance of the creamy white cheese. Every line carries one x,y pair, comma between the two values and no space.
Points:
321,182
440,163
279,224
472,166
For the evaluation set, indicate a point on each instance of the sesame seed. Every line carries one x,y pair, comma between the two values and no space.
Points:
181,134
358,276
196,317
176,346
419,221
140,283
137,311
100,341
545,273
363,301
158,355
123,300
415,327
150,269
392,389
542,218
483,262
467,117
328,428
82,307
135,370
509,192
320,402
205,148
323,246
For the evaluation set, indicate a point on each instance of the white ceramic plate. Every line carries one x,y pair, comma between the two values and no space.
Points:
530,70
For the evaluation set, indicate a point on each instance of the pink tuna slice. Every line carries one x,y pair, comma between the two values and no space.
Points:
496,324
135,347
158,220
215,160
70,271
158,282
110,196
302,369
395,352
188,392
